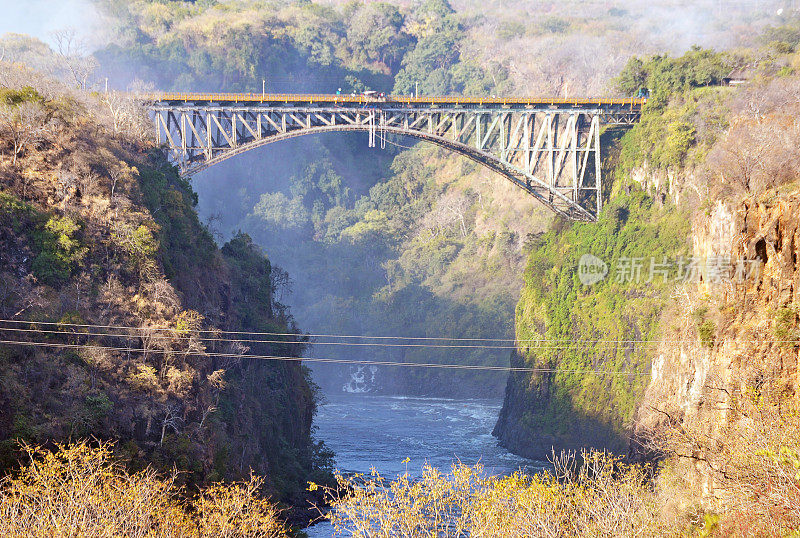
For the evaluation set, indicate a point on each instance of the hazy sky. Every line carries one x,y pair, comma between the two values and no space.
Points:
40,18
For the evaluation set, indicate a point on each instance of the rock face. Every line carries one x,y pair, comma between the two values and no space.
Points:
588,371
529,398
517,401
696,387
717,347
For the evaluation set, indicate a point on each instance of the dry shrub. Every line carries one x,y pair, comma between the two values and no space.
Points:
601,497
231,511
79,491
753,458
759,150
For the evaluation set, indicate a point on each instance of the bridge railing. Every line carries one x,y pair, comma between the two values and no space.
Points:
632,102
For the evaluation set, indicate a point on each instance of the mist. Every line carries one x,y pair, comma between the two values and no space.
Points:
42,18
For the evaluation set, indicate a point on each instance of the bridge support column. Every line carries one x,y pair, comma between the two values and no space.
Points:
573,157
597,166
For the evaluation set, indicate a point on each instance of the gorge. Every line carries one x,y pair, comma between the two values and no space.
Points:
220,325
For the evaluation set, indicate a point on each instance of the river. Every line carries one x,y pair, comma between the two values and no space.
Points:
367,430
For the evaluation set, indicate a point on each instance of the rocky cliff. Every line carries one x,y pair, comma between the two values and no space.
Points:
717,397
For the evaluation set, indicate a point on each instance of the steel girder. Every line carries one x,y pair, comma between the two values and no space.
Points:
553,155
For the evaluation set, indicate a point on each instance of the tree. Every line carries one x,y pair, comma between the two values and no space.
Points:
74,54
632,78
128,116
375,35
121,172
25,123
172,420
282,212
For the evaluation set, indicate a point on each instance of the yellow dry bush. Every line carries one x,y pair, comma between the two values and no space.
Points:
601,497
78,491
229,511
752,459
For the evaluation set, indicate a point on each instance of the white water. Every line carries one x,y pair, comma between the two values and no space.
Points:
362,379
367,430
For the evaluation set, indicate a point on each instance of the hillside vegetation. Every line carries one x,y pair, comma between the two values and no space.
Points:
97,228
604,333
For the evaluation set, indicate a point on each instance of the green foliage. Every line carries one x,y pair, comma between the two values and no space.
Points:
783,39
667,137
99,406
58,251
684,93
319,182
15,97
705,331
280,212
435,64
374,226
138,244
181,241
252,271
633,78
786,325
555,25
299,46
510,29
784,456
664,75
54,239
144,378
555,305
375,34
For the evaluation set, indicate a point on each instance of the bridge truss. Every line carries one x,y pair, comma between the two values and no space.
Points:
549,148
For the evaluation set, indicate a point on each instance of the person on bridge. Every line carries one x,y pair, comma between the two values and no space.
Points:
338,91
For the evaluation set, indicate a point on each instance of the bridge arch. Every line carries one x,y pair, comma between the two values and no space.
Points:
553,199
550,150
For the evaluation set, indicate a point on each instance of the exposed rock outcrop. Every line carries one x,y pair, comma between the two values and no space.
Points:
696,386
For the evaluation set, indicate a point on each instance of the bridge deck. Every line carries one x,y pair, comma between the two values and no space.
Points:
250,99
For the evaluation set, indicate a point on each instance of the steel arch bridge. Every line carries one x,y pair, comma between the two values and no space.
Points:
550,148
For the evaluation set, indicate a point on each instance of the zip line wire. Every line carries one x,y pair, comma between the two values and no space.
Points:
327,360
543,344
343,336
563,344
252,341
214,331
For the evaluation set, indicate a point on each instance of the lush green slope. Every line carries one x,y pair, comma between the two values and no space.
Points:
580,404
605,331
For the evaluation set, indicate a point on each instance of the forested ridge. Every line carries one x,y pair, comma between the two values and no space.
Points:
97,228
